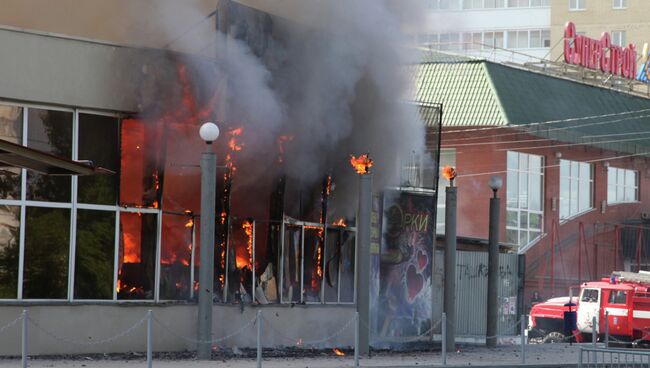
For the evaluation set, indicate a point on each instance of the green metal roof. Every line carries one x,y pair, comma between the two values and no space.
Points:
481,93
463,88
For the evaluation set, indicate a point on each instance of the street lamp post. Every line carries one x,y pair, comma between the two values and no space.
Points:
209,132
449,297
495,184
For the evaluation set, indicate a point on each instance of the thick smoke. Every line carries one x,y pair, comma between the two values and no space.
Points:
345,84
335,76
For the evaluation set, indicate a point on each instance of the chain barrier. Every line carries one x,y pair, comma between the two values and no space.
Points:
197,341
87,343
313,342
398,338
8,325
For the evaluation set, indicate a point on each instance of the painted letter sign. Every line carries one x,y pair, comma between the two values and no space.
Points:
599,54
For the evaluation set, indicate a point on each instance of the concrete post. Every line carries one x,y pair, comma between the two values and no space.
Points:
206,271
449,306
259,338
363,260
443,325
23,347
149,338
356,339
594,335
523,338
606,329
493,273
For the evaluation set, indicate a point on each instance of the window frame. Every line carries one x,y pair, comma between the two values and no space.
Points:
580,5
578,180
529,173
619,4
616,185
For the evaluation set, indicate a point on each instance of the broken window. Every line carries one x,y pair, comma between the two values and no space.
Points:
9,252
11,129
49,131
176,256
339,260
98,142
139,176
47,242
137,254
94,254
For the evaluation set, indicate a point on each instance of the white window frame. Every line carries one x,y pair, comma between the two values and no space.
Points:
577,5
624,188
73,206
525,211
619,4
619,37
579,181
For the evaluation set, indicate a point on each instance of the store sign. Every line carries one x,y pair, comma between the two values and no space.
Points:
599,54
644,73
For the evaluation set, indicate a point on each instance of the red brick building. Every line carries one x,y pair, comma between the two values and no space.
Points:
573,158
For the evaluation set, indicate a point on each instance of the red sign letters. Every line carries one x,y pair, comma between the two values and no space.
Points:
599,54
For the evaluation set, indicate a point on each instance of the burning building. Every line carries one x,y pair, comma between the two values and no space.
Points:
293,99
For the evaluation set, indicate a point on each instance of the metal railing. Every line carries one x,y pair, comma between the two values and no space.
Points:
255,325
603,357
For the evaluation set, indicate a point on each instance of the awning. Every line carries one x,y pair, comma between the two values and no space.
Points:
15,155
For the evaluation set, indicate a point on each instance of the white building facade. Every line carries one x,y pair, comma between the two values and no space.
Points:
500,30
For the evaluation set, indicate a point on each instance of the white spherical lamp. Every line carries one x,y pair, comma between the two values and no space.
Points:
495,183
209,132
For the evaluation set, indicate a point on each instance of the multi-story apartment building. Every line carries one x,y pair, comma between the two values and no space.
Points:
623,19
502,30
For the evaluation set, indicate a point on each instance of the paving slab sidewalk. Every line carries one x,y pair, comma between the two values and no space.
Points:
542,355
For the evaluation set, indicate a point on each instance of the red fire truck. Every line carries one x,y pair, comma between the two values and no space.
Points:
624,298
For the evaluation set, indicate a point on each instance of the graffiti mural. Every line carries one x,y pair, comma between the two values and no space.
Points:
406,261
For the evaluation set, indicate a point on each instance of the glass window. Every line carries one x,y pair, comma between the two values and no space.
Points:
589,296
178,232
535,39
546,38
617,297
619,4
618,38
490,4
498,39
11,129
511,41
488,40
137,255
9,251
47,246
522,39
524,191
49,131
139,182
622,185
576,188
98,142
94,255
577,4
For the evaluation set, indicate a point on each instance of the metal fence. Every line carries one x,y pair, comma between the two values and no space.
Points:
471,292
254,326
603,357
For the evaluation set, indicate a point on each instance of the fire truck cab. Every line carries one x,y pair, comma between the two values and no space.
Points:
622,302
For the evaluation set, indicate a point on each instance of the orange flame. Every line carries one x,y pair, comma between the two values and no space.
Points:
189,223
338,352
232,142
449,173
248,229
361,164
282,140
340,222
